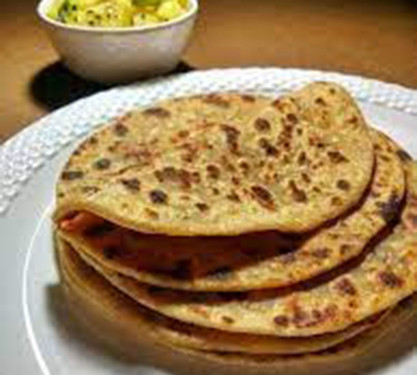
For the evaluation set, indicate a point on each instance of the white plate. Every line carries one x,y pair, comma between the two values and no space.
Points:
34,334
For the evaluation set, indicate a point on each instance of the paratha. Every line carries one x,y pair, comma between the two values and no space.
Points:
349,355
93,289
247,262
225,165
385,275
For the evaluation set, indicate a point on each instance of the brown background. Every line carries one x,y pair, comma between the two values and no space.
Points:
373,38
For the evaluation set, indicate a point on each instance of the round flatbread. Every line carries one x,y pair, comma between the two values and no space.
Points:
382,277
255,261
371,345
93,289
225,165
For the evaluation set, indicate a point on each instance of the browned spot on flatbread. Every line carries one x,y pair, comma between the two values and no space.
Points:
72,175
343,185
215,191
300,317
133,150
346,287
278,104
267,146
183,133
233,196
302,158
227,164
330,311
390,279
158,196
316,189
157,112
385,158
213,171
195,177
132,184
216,100
336,201
291,118
179,176
235,181
92,140
263,197
262,125
298,194
277,177
244,166
190,152
120,130
306,178
227,319
318,316
282,320
390,210
248,98
152,214
90,189
404,155
167,173
345,249
202,207
232,135
321,253
336,157
102,164
353,304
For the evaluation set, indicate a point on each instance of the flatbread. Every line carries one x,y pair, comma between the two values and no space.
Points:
109,310
379,280
254,261
94,289
343,355
225,165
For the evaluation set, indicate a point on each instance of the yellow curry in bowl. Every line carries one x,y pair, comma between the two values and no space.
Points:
117,13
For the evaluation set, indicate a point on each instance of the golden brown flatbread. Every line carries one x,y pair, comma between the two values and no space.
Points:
224,165
84,281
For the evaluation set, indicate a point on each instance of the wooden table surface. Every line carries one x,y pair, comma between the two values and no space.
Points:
377,39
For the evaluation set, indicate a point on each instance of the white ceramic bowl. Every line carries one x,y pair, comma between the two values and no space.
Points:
111,55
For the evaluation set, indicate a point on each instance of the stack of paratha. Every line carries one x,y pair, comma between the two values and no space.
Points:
235,225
